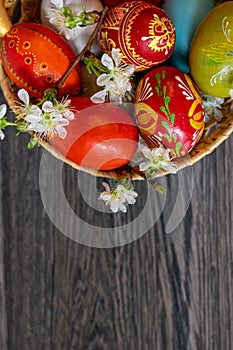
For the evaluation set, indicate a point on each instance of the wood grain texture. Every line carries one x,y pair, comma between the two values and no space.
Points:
164,291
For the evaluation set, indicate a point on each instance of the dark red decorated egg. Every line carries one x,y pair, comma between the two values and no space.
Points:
113,3
35,58
102,136
169,110
142,32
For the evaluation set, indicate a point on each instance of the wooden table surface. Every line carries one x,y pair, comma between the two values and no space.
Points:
170,288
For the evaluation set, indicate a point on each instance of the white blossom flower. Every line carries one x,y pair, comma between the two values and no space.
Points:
213,106
59,110
24,108
117,82
58,19
46,125
45,121
117,198
158,158
2,114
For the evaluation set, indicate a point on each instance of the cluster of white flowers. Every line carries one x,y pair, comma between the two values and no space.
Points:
46,121
156,159
57,17
116,82
212,107
117,198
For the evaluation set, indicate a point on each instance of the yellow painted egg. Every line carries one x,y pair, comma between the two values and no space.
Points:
211,52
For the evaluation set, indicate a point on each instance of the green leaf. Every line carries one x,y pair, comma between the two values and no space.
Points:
174,137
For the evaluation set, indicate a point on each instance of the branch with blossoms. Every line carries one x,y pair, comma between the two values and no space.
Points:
68,21
42,120
113,76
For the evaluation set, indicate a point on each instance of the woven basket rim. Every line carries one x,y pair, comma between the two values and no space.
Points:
214,133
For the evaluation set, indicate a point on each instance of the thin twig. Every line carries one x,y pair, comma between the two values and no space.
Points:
86,48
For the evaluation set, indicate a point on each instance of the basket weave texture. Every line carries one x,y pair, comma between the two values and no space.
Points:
214,133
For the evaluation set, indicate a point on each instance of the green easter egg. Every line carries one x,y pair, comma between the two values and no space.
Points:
211,52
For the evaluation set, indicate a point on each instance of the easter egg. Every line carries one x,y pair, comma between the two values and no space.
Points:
141,31
186,26
78,36
169,111
211,52
102,136
35,58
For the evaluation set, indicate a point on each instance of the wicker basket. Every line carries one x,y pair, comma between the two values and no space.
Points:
214,133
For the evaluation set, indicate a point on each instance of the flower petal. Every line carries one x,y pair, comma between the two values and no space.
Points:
61,121
2,111
48,106
37,127
105,196
145,166
62,132
123,208
106,186
2,135
24,96
68,115
33,118
57,3
107,61
170,167
115,205
146,152
128,69
116,57
103,79
99,97
35,110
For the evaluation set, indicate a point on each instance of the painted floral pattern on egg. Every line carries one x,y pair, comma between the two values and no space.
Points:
144,45
169,110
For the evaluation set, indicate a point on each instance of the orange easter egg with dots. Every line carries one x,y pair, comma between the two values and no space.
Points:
141,31
35,58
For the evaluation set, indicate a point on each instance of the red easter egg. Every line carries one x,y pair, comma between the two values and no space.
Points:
169,110
101,137
142,32
35,57
113,3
